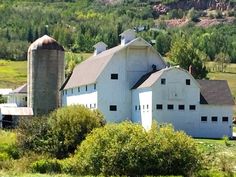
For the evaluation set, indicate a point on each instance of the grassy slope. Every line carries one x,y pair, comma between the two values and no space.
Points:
12,74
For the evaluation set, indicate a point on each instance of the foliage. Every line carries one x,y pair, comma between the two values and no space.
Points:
183,53
60,133
2,99
46,166
70,125
222,60
127,149
34,135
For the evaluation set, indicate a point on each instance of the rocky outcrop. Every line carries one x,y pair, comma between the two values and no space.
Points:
196,4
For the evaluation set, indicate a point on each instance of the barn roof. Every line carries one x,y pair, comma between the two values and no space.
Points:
215,92
89,70
22,89
149,79
45,42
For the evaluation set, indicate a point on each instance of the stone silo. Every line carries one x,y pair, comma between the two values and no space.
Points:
45,75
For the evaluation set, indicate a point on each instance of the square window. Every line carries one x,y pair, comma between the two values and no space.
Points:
159,106
181,107
114,76
163,81
188,82
170,106
204,118
214,119
192,107
225,119
113,108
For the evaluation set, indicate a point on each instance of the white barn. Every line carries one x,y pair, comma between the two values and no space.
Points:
132,82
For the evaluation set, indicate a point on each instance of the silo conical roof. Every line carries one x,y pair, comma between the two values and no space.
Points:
45,42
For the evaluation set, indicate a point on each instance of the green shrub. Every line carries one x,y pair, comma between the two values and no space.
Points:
127,149
34,134
70,125
59,133
13,151
46,166
4,156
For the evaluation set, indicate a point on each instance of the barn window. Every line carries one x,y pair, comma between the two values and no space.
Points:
170,106
114,76
181,107
163,81
192,107
113,108
225,119
188,82
159,106
204,118
214,119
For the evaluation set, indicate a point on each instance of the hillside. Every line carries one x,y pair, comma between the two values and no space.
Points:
78,25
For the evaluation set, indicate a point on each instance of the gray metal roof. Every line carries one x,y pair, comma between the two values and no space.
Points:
215,92
22,89
88,71
22,111
45,43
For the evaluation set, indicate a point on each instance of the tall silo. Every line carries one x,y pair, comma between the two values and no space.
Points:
45,75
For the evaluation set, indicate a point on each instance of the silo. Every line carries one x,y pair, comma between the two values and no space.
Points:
45,75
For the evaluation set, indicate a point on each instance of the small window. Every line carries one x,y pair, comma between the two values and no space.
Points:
94,105
139,107
90,105
204,118
159,106
181,107
163,81
143,106
72,91
192,107
86,88
136,108
114,76
214,119
147,106
225,119
113,108
170,106
78,89
95,86
188,82
66,92
25,98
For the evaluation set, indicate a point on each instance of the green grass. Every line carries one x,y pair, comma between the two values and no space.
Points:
12,73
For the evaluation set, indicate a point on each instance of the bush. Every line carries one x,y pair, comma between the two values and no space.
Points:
127,149
34,135
70,125
46,166
60,133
